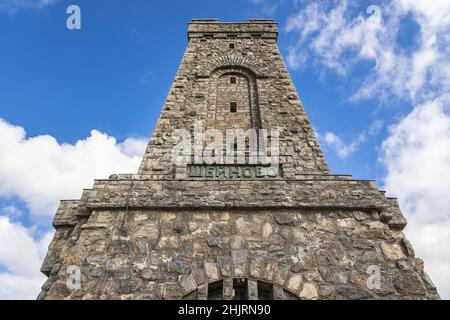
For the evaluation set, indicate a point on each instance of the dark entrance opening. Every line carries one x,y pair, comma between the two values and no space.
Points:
215,290
240,289
265,291
233,106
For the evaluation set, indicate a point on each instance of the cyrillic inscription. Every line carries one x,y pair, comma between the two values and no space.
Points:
233,171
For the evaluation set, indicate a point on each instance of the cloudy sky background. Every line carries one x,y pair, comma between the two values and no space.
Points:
77,105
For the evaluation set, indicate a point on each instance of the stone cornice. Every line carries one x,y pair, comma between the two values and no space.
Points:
259,194
266,29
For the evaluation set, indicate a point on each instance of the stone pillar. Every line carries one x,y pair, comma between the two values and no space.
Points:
202,292
278,293
252,289
228,289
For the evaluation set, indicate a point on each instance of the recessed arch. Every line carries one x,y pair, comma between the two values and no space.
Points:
236,60
216,281
265,290
215,290
193,295
243,91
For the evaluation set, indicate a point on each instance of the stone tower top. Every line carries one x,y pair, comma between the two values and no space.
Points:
252,28
232,76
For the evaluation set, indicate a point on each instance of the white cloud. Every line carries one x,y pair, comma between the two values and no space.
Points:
344,150
416,154
13,6
338,40
417,159
21,256
41,171
133,147
265,7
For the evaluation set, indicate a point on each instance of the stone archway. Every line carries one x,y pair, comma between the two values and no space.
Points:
219,280
244,92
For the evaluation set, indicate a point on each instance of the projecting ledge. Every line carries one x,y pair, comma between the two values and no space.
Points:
345,194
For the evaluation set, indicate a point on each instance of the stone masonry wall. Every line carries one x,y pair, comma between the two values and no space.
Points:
165,254
196,95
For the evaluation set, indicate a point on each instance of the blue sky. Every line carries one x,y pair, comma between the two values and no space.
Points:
368,78
115,73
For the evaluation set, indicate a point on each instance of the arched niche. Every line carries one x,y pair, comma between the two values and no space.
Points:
233,101
242,289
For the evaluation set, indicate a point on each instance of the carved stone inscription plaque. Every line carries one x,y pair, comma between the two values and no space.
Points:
234,171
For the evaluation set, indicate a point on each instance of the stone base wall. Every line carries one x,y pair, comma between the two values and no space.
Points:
304,254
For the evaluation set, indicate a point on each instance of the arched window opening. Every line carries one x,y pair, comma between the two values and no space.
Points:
240,289
233,106
191,296
233,99
265,291
215,290
289,295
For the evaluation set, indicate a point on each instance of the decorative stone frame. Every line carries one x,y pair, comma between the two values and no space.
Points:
227,268
216,74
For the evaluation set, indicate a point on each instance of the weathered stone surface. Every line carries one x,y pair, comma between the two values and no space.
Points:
225,266
240,263
294,283
352,292
392,251
309,292
397,221
214,242
428,281
285,219
267,230
164,234
227,289
187,283
297,267
237,194
252,290
408,247
243,226
237,242
198,274
65,216
172,291
409,284
270,271
347,280
149,231
212,272
179,226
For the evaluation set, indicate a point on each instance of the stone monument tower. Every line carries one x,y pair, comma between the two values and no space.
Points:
221,230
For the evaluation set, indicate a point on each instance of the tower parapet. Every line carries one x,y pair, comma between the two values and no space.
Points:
214,29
